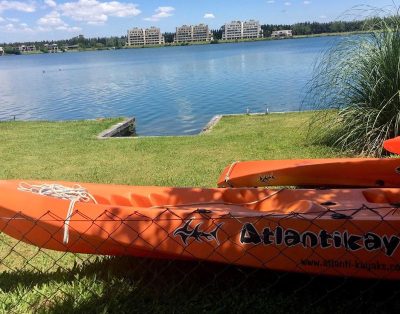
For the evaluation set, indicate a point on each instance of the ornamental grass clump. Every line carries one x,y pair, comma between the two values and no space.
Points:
359,80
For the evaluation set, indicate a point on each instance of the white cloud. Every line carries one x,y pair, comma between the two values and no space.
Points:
209,16
306,2
12,19
17,6
2,19
96,12
287,3
271,1
53,19
73,29
322,16
50,3
15,28
161,12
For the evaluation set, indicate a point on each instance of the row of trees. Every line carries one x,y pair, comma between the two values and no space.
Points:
306,28
310,28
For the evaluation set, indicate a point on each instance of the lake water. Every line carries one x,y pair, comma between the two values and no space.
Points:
170,91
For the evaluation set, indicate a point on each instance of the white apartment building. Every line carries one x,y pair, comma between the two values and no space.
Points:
136,37
282,33
1,51
183,34
153,36
24,48
191,33
251,29
201,32
140,37
52,48
239,30
232,30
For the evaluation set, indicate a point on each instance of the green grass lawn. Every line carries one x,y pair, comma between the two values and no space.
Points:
70,150
34,280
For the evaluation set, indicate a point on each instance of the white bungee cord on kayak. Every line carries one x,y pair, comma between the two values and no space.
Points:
74,194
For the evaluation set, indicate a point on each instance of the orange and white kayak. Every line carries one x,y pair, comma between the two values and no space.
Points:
340,232
341,172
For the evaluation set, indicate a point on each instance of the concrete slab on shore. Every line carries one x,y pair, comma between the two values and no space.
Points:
125,128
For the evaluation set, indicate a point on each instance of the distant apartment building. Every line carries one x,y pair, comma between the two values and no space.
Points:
24,48
153,36
201,32
241,30
282,33
192,33
71,47
52,48
136,37
1,51
232,30
251,29
183,34
140,37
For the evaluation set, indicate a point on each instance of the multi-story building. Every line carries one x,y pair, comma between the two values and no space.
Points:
140,37
232,30
239,30
1,51
153,36
136,37
282,33
52,48
251,29
201,32
24,48
190,33
183,34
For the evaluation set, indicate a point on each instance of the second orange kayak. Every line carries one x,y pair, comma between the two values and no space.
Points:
392,145
341,172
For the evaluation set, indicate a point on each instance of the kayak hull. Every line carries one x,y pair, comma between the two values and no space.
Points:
341,172
285,230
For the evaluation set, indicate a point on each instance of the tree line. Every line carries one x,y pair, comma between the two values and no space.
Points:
305,28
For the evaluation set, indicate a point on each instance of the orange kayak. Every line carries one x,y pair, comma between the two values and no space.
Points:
392,145
342,172
340,232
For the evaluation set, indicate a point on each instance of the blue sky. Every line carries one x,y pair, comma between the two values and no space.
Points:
29,20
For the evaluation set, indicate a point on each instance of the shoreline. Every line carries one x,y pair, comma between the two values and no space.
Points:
126,123
203,43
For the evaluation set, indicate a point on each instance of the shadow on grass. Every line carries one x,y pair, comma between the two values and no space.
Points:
162,286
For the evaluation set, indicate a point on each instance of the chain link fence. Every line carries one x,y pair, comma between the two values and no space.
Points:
177,261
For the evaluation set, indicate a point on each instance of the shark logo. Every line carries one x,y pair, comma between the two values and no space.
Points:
185,232
267,178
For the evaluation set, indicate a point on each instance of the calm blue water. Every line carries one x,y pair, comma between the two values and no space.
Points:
170,91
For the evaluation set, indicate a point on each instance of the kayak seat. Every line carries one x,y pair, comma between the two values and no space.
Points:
158,199
303,207
376,196
240,196
120,200
101,199
113,200
138,200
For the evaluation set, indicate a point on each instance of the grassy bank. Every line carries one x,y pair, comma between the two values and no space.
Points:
70,151
33,280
